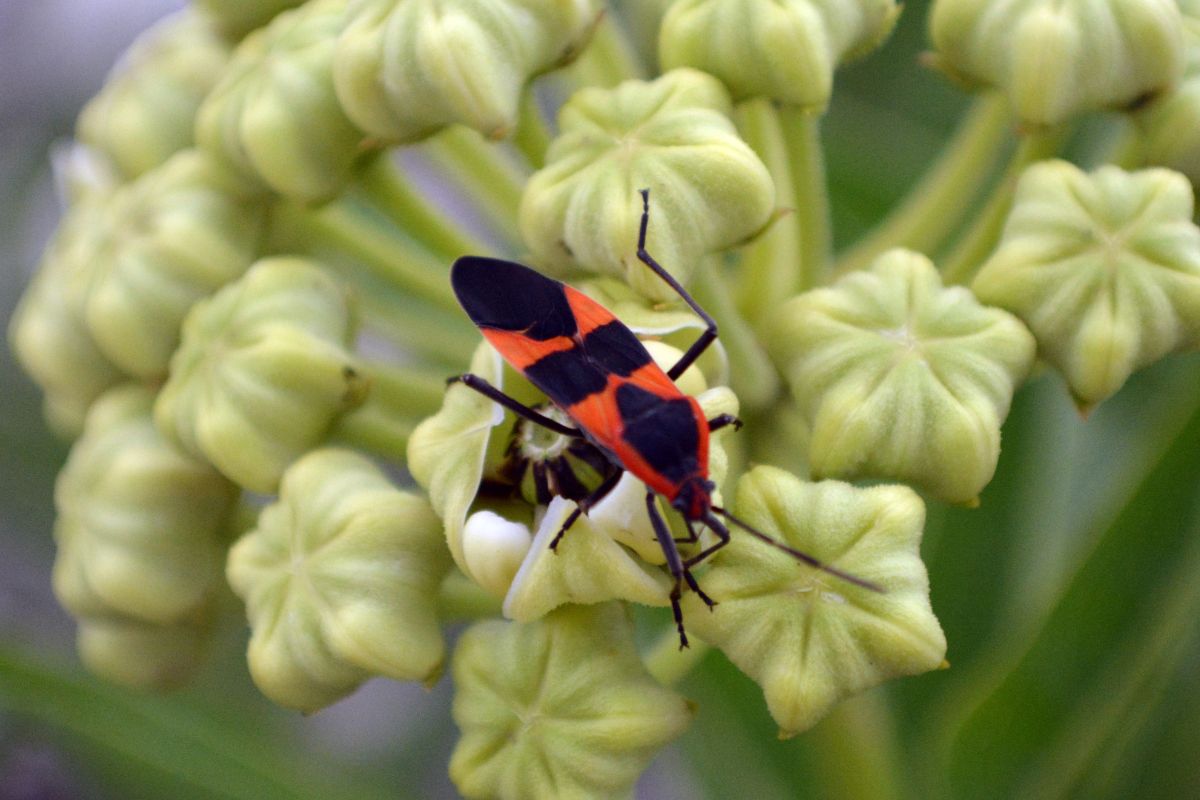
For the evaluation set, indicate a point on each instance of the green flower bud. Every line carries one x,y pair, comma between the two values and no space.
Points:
47,331
236,18
786,51
274,116
559,708
340,580
1056,59
139,523
673,135
1170,126
263,371
146,110
1104,268
810,639
171,237
406,69
902,378
142,655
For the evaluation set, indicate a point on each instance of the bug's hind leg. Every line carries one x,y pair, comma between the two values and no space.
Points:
517,407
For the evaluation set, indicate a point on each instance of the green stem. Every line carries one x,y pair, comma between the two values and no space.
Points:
432,334
810,194
609,58
533,134
1129,151
752,375
935,206
389,190
977,243
349,229
857,750
399,398
770,266
669,664
483,172
166,740
461,599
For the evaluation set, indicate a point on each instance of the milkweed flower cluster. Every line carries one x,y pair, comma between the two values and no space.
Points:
247,298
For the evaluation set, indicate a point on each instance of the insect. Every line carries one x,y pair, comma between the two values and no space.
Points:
593,368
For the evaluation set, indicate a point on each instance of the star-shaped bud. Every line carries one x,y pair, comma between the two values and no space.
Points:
786,51
809,638
173,236
673,135
1104,267
1056,59
263,371
561,707
140,525
274,116
901,377
1170,126
146,111
340,580
407,69
48,332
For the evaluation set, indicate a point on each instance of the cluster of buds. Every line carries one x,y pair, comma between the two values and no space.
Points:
244,323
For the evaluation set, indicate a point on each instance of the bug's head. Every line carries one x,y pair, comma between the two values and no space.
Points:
694,499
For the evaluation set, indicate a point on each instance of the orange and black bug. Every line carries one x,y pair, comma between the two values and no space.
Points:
592,367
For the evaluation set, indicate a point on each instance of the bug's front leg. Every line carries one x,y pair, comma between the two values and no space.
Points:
517,407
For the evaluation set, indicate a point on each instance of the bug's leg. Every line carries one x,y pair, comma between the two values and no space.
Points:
722,539
692,536
585,505
722,421
674,564
710,330
491,392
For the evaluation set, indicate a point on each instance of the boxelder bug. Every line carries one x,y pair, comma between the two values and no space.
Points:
593,368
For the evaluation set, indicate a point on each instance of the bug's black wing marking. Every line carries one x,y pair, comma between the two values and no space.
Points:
512,297
567,376
662,431
614,347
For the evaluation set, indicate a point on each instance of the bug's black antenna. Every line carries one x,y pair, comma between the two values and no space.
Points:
799,555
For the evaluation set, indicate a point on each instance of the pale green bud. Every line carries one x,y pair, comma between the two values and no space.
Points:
559,708
407,68
171,237
264,370
1104,268
236,18
808,638
140,654
1170,126
448,452
48,333
147,108
340,580
139,523
902,378
673,135
1056,59
786,51
274,116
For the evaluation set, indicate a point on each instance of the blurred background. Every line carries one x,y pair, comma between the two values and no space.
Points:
1071,598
